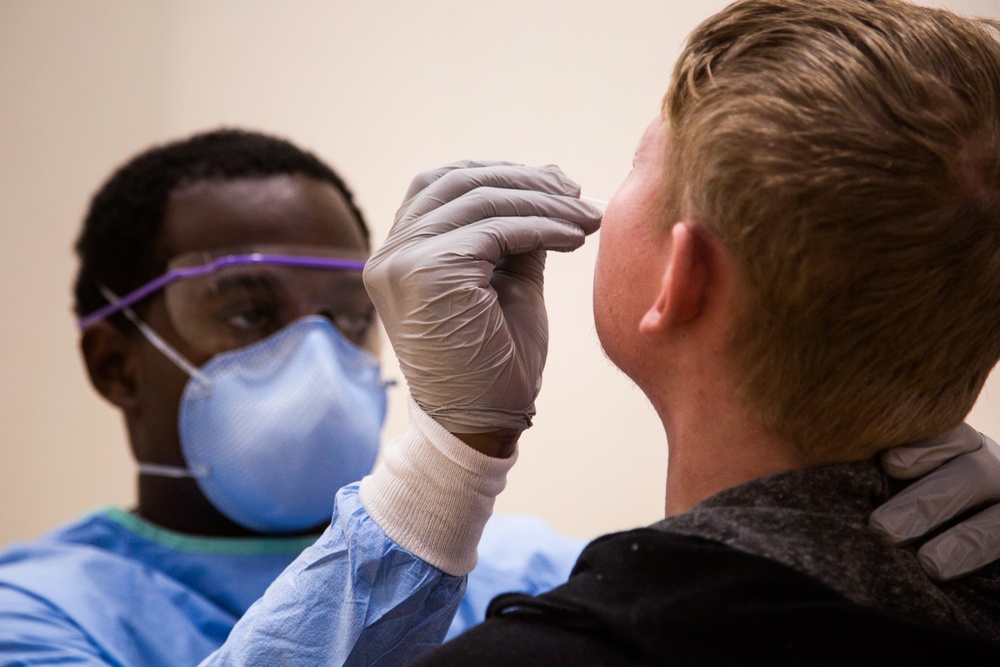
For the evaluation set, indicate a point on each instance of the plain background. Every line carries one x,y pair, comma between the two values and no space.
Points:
381,90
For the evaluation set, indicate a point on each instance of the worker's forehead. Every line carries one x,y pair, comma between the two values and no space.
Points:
282,209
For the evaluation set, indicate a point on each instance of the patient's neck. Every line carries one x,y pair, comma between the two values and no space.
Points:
713,450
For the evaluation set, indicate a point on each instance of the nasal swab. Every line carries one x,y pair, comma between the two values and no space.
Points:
599,203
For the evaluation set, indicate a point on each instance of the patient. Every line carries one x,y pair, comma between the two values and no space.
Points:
801,270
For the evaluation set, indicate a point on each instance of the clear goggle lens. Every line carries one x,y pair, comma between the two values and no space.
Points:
220,301
253,295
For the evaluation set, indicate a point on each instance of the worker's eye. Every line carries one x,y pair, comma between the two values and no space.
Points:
253,318
353,326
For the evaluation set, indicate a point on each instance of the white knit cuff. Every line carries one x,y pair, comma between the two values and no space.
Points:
432,494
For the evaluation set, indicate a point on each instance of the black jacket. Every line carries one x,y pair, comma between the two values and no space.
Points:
647,597
782,570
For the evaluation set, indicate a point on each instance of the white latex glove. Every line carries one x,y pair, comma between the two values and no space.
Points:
958,471
458,287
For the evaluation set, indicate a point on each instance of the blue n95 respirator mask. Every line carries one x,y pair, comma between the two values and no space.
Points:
271,431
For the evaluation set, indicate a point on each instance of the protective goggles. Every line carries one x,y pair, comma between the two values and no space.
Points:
225,300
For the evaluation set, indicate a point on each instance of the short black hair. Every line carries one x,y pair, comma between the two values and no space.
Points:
123,221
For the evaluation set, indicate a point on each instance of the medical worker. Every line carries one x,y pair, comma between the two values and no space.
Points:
222,311
240,350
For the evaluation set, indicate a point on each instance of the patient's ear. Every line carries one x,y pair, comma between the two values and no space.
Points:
685,280
110,356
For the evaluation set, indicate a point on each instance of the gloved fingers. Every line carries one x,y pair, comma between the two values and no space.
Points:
496,238
425,178
482,205
500,180
964,548
961,484
916,460
453,270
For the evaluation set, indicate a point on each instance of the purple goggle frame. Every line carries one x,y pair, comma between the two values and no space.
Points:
183,272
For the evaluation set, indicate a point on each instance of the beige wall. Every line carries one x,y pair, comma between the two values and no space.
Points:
382,90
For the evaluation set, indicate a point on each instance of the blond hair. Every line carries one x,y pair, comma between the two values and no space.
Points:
848,154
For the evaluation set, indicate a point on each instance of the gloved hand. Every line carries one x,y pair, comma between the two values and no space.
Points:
959,471
458,287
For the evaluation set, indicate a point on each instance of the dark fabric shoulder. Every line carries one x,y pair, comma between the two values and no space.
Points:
647,597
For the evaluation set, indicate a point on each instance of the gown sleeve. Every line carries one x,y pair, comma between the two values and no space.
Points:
383,582
355,597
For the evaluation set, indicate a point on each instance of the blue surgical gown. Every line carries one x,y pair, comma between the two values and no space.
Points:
112,589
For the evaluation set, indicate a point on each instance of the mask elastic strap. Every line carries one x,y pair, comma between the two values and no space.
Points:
176,472
154,339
